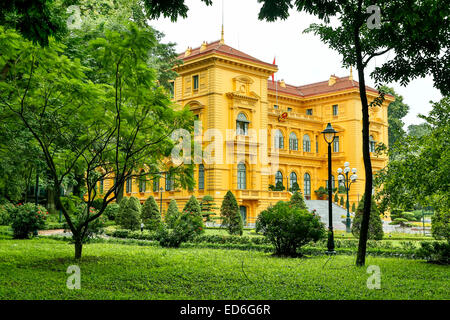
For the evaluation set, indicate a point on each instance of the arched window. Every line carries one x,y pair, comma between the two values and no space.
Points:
243,211
293,181
336,144
278,178
279,140
306,143
307,186
129,185
293,142
201,177
241,176
242,124
371,144
142,182
101,183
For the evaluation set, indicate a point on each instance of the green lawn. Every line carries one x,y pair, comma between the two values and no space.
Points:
36,269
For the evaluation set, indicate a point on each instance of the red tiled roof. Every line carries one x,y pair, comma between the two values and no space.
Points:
224,49
292,90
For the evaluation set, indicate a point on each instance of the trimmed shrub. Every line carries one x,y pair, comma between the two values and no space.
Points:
150,215
172,214
5,213
207,206
27,219
298,200
435,252
336,198
353,207
111,211
279,186
341,201
129,215
375,223
289,228
440,224
231,216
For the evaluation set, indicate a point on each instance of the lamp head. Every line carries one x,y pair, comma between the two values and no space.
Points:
347,164
339,170
346,170
354,170
329,133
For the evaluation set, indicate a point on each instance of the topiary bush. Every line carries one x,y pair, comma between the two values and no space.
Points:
27,219
111,211
231,217
188,225
289,228
298,200
150,215
172,214
129,215
435,252
375,223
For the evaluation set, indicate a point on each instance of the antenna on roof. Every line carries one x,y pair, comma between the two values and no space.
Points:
222,41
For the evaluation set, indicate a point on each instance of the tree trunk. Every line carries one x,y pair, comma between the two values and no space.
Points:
78,249
362,246
119,194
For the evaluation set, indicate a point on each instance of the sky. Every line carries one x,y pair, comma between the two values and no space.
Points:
301,58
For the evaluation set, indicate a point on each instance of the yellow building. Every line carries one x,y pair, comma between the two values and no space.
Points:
233,96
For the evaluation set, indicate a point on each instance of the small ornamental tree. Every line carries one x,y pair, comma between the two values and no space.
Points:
341,202
353,207
27,219
289,228
172,214
207,206
298,200
375,223
231,216
279,186
129,215
295,187
112,210
150,215
336,198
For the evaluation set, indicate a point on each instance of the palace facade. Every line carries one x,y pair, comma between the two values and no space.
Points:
247,120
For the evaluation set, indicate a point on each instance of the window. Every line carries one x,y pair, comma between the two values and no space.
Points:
242,124
156,184
306,143
293,181
307,186
241,176
317,144
279,140
293,142
195,82
172,88
278,178
333,184
371,144
336,144
129,187
142,182
201,177
169,182
335,110
309,112
275,106
289,109
243,211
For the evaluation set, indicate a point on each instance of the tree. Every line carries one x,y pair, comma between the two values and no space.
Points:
150,216
417,131
376,224
231,216
104,129
298,200
336,198
416,52
353,207
172,214
207,206
129,215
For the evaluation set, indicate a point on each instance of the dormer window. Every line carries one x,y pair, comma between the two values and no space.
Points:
309,112
242,124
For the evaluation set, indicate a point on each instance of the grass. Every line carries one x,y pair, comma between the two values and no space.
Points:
36,269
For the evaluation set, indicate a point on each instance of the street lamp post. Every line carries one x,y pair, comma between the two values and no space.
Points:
347,182
329,135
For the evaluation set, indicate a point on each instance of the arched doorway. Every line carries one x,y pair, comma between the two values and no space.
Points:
243,210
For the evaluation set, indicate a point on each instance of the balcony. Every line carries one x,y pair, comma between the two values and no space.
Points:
248,194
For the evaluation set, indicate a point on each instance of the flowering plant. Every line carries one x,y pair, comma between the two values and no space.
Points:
26,219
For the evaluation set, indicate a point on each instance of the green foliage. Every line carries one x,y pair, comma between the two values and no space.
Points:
151,217
26,219
341,201
230,214
298,201
129,215
295,187
353,207
6,210
279,186
375,222
436,252
322,192
289,228
336,198
440,224
172,214
207,206
112,211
